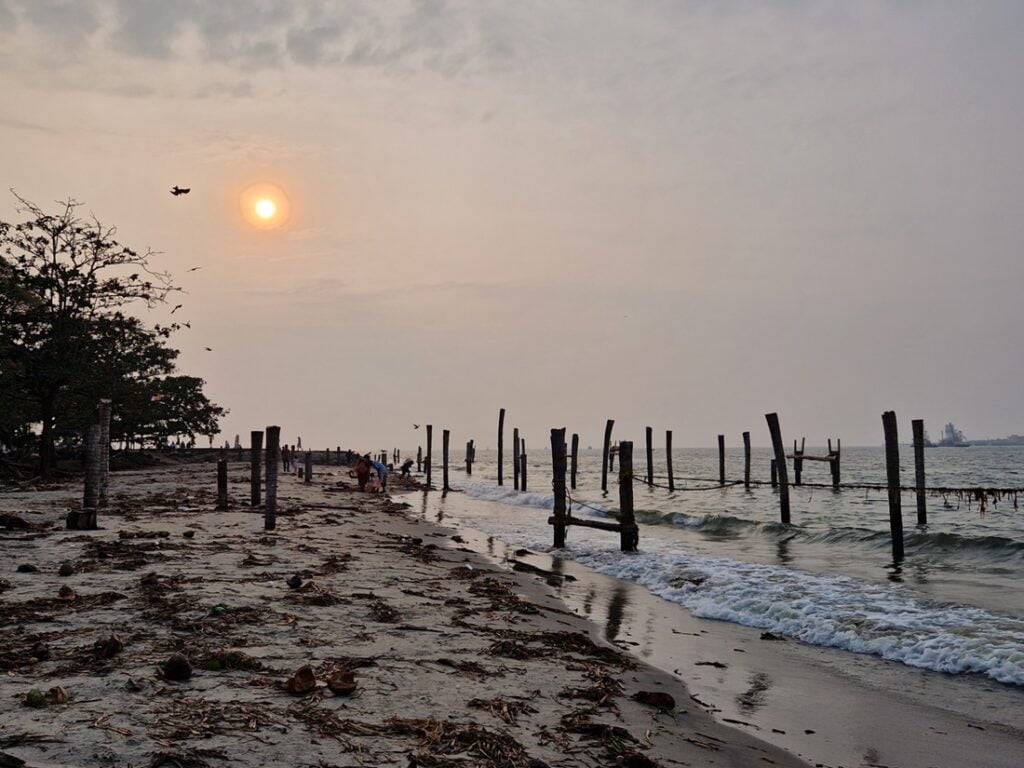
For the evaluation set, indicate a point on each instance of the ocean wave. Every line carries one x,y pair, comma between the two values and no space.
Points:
832,611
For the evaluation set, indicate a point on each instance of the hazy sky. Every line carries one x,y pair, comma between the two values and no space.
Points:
683,214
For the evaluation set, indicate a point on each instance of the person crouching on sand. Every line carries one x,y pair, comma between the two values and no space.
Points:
382,474
363,472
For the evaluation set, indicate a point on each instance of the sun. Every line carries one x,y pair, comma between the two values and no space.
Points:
266,208
264,205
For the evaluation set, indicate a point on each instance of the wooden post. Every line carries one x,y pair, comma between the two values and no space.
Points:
522,465
86,520
922,507
222,484
272,460
419,459
327,457
668,460
780,464
558,483
104,458
837,464
430,447
469,457
721,459
575,459
255,453
650,456
628,535
746,460
501,446
892,472
515,458
607,450
798,459
444,461
775,475
309,468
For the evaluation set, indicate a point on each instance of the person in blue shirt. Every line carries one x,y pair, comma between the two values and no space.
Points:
382,473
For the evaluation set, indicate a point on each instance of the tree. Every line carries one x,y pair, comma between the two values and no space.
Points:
65,336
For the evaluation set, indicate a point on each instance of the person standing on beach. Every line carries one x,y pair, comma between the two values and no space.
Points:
285,458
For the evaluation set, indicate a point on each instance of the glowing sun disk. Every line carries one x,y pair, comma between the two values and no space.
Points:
265,208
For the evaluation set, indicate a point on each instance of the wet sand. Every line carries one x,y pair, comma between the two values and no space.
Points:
456,660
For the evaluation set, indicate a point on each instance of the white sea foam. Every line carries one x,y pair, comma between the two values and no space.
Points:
885,620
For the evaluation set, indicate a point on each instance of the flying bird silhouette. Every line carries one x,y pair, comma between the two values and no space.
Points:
209,349
194,269
176,190
176,308
187,324
415,426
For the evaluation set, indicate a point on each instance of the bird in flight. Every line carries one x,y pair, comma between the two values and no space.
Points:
194,269
176,308
209,349
176,190
415,426
187,324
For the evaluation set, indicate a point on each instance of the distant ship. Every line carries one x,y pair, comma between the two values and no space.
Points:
951,438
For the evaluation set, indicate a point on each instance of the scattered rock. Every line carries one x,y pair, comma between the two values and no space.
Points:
295,581
189,534
342,682
40,652
458,539
67,594
4,585
302,682
808,731
177,668
522,552
108,648
150,580
66,569
771,636
35,698
658,699
27,568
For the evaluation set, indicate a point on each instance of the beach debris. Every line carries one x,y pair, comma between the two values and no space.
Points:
221,661
35,699
13,522
27,568
504,709
302,682
108,647
384,613
342,682
771,636
715,664
150,580
189,534
636,760
658,699
295,581
4,585
57,695
66,569
458,539
39,652
66,594
10,761
177,668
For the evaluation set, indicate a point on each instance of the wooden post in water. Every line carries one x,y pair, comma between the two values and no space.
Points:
668,460
419,459
255,453
721,459
501,446
922,507
628,531
650,456
272,460
308,478
780,465
558,483
575,459
327,457
746,460
104,423
798,459
522,465
607,450
444,461
222,484
469,458
428,463
775,475
515,458
892,472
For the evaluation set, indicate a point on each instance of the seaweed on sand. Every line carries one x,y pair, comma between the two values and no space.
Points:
504,709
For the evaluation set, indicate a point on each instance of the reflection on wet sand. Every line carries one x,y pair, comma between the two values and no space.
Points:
616,607
753,698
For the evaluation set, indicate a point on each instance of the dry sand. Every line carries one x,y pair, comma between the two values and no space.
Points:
457,661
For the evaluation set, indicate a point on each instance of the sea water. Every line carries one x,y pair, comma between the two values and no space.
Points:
953,605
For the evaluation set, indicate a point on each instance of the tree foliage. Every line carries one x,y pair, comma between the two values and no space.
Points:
67,339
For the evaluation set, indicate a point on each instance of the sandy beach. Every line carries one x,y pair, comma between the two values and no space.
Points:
418,651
